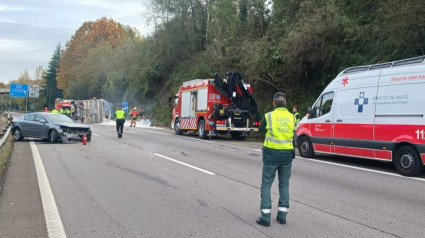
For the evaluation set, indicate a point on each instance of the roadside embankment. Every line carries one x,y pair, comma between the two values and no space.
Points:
6,147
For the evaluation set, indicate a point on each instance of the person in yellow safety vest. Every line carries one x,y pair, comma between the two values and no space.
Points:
119,121
61,110
55,111
278,153
297,117
67,111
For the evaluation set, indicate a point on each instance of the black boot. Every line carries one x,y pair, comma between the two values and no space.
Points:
281,221
262,223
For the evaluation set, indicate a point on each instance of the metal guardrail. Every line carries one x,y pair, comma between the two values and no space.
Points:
6,134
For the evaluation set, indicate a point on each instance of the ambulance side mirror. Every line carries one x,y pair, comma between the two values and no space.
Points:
310,113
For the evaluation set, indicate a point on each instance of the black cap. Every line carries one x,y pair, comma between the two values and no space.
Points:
278,95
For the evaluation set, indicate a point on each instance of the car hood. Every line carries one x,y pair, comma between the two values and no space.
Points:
73,125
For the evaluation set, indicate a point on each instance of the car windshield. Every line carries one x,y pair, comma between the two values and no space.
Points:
59,118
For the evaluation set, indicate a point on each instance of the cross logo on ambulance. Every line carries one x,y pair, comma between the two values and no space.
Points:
360,101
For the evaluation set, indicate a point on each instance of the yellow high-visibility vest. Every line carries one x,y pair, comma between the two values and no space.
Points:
119,114
280,129
297,120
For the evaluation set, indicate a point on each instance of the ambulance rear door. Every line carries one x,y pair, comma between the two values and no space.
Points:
400,109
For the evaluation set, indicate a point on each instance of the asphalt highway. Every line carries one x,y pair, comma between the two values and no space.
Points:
153,183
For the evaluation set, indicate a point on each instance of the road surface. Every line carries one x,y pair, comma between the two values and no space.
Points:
153,183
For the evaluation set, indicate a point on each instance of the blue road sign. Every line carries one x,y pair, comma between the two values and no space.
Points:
125,106
19,90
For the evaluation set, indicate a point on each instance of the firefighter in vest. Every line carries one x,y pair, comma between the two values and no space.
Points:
297,117
134,114
55,111
119,121
278,153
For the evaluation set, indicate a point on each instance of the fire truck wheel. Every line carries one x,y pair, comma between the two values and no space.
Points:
408,162
305,148
177,127
201,129
53,136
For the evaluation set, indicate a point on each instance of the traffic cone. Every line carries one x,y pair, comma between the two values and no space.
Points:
84,140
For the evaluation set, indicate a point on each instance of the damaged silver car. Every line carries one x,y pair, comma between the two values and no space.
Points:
50,126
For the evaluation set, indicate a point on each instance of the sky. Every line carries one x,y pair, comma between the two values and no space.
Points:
30,30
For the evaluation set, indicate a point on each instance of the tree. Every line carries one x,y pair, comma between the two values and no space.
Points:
87,37
51,77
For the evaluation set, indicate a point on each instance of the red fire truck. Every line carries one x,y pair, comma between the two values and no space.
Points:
65,104
216,106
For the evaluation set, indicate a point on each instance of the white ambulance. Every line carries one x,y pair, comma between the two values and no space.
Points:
374,112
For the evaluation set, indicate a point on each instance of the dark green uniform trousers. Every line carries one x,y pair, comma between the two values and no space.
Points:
280,161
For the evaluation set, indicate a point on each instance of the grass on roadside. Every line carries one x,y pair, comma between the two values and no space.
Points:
5,153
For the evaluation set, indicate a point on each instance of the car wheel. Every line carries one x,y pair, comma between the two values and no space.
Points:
305,148
177,127
408,162
17,134
201,129
53,136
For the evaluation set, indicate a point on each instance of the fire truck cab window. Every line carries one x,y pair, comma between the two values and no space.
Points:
323,105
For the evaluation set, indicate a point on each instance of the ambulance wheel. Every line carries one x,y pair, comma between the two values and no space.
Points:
177,127
408,162
305,148
201,129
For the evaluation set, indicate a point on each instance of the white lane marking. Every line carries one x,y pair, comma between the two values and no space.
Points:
185,164
258,150
53,220
188,138
363,169
154,132
95,134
